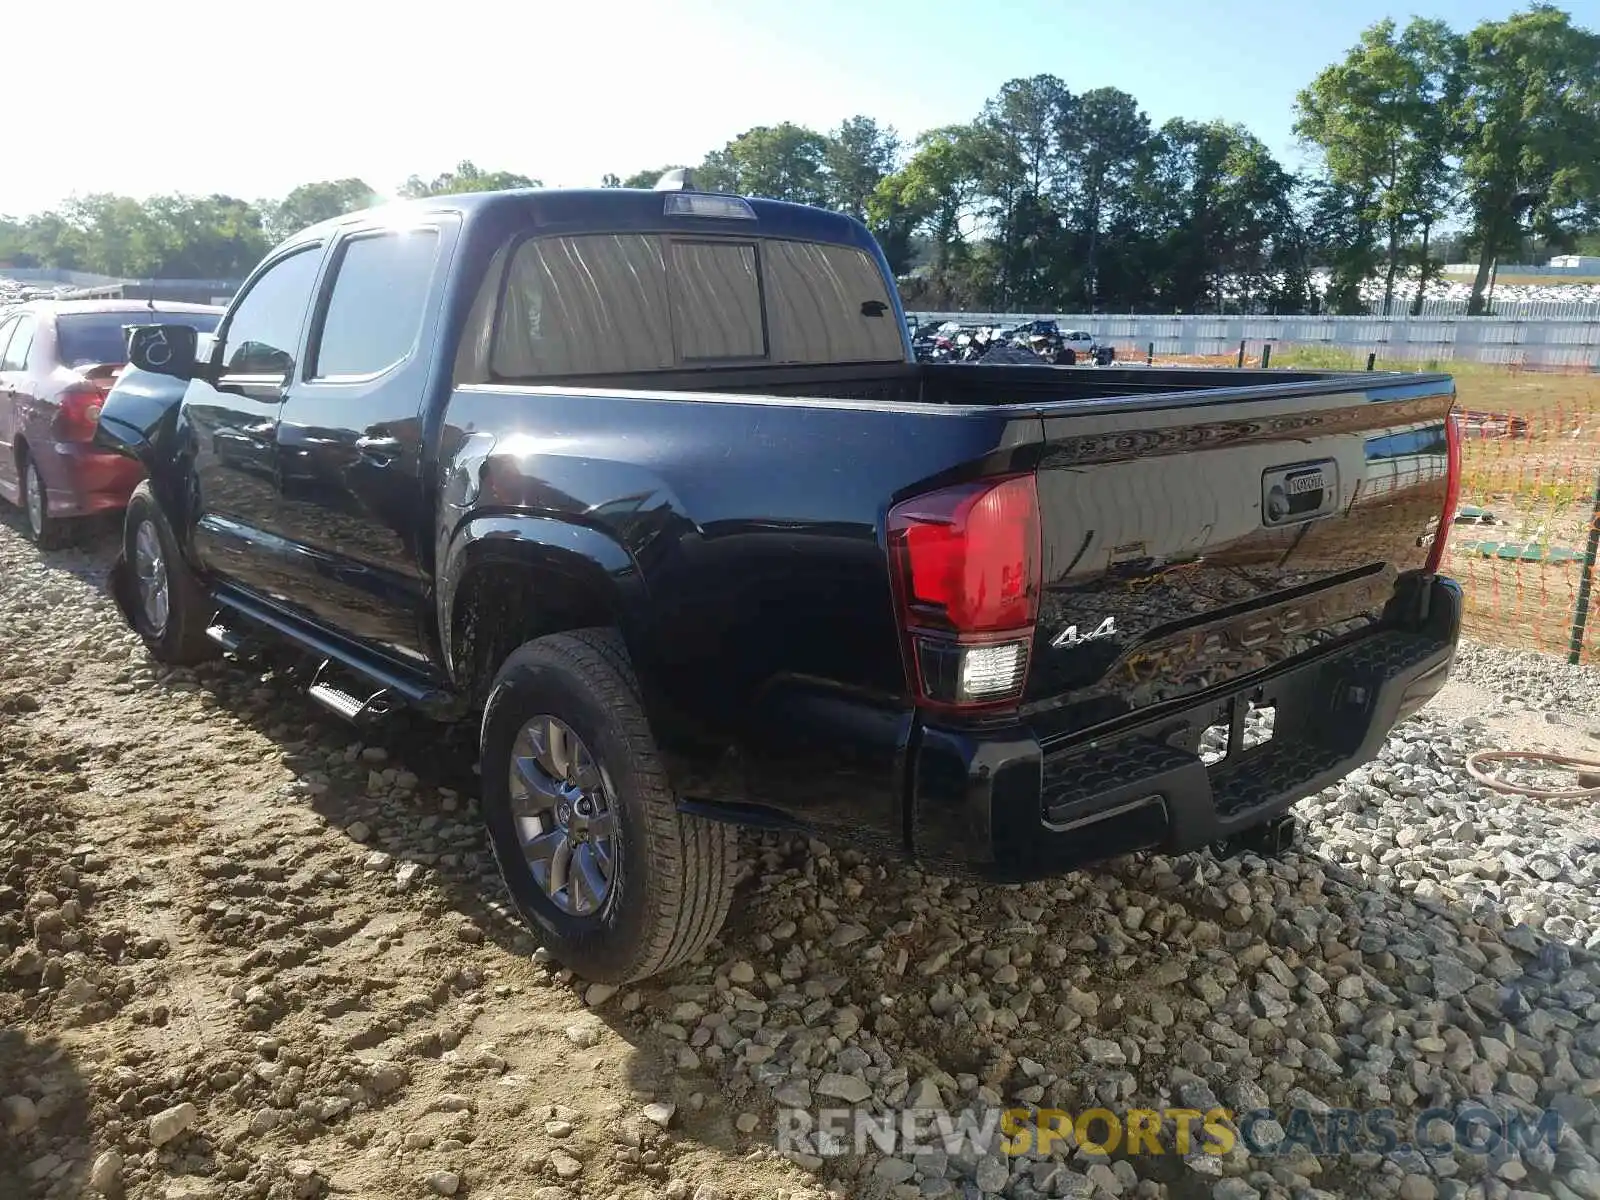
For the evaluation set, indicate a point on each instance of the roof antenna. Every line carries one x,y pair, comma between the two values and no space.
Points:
676,180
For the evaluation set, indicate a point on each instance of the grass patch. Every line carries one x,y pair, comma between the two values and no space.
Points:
1544,280
1490,386
1552,497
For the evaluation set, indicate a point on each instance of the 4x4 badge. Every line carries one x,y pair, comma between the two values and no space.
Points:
1071,637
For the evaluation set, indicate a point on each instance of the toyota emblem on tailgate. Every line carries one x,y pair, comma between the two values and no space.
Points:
1302,492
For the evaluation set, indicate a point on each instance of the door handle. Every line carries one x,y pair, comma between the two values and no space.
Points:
379,450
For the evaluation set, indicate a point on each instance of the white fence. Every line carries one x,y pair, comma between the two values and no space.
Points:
1574,264
1543,343
1505,310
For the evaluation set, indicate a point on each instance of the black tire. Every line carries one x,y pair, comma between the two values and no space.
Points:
1069,357
180,640
45,531
672,874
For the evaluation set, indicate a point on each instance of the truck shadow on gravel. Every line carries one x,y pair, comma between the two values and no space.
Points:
44,1118
48,976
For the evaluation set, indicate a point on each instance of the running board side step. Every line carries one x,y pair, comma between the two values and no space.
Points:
389,689
230,641
341,703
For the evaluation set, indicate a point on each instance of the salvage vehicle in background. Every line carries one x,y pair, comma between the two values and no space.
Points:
58,360
1079,345
752,563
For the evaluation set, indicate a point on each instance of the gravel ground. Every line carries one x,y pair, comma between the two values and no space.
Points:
245,955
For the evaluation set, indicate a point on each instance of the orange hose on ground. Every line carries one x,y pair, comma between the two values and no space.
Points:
1558,760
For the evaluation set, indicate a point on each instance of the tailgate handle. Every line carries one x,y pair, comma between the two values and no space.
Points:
1299,492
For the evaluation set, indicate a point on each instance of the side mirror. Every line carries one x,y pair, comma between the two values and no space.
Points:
164,349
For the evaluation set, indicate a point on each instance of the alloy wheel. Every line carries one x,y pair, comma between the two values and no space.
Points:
35,489
150,569
564,815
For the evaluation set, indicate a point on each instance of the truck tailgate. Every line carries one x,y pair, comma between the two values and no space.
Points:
1189,546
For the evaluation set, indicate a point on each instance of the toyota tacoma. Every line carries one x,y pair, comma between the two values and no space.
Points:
649,487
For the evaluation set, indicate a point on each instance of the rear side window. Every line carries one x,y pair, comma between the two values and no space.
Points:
16,357
85,338
375,310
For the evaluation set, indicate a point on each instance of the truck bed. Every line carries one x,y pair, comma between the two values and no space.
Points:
1208,540
1153,488
979,384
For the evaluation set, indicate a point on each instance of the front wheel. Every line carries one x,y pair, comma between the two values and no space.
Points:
608,874
169,606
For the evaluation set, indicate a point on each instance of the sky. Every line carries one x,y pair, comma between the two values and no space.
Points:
251,97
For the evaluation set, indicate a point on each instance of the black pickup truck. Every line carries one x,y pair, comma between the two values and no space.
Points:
649,485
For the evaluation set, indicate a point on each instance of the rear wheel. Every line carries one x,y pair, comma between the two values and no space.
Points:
607,873
170,608
47,532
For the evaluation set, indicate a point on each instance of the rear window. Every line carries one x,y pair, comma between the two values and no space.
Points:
83,339
624,303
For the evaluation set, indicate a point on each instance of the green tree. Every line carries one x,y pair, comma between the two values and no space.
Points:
858,155
1026,127
204,237
311,203
1221,213
779,162
1381,120
1104,144
1530,120
15,248
647,179
116,233
45,240
935,194
1343,239
467,177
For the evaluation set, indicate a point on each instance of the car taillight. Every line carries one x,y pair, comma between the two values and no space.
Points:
79,412
1452,490
967,565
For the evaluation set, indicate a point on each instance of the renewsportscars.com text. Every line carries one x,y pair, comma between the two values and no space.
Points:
1022,1132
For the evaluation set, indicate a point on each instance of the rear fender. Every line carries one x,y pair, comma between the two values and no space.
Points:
563,557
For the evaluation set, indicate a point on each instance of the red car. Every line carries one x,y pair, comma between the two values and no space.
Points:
58,359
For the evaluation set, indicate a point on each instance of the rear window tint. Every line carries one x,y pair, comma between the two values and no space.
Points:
83,339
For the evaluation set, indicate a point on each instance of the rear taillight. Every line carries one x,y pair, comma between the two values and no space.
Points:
966,564
78,412
1452,491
